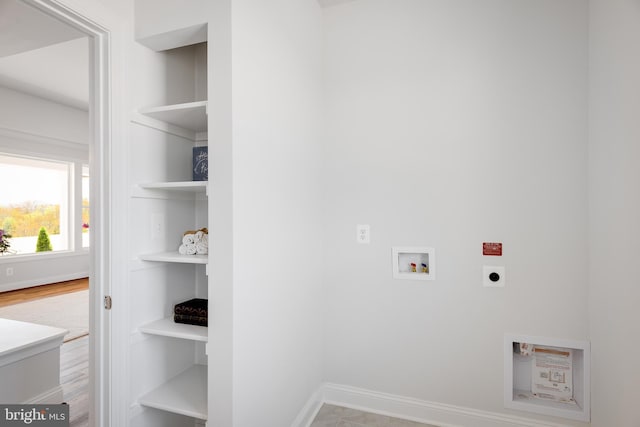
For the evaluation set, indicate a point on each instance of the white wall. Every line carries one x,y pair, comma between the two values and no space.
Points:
30,114
278,209
221,279
451,123
614,209
34,126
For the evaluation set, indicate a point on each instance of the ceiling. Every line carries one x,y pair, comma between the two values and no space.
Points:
42,56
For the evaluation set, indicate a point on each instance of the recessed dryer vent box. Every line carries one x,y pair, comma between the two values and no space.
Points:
547,376
414,263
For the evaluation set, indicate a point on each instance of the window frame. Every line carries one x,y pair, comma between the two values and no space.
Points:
25,145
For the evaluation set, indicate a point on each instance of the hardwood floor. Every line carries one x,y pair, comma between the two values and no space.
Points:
74,355
44,291
74,378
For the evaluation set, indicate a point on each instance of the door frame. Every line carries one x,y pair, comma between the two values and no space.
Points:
84,18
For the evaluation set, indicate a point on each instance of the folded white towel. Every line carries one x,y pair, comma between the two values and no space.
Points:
187,249
191,249
198,236
188,239
202,249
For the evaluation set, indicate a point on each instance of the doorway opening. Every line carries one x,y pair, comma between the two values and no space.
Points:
39,71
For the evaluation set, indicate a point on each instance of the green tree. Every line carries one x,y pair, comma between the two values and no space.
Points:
44,244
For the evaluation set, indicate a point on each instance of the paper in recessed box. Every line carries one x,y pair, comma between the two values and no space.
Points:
552,374
200,163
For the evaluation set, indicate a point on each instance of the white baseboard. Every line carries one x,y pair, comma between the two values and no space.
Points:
310,410
440,414
53,396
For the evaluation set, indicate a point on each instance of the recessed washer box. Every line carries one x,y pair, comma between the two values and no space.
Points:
414,263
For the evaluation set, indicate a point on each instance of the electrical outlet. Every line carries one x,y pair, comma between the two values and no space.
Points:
157,225
363,233
493,276
9,271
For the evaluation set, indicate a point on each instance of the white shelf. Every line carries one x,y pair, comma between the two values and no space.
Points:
185,394
188,186
191,115
176,257
168,328
182,190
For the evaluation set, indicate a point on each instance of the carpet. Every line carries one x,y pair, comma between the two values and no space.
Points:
68,311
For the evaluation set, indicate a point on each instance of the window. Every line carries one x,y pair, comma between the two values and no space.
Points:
37,203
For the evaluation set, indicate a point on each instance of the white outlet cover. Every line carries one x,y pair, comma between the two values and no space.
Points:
486,272
363,234
157,225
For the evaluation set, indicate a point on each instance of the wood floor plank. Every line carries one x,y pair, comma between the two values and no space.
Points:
74,379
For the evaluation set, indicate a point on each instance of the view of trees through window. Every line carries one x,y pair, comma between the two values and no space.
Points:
26,218
37,194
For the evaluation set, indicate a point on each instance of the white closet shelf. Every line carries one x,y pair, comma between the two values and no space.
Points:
188,186
175,257
178,190
168,328
190,115
184,394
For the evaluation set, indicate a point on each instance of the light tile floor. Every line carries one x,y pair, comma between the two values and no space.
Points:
337,416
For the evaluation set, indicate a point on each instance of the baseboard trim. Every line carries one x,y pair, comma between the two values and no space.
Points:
310,410
440,414
52,396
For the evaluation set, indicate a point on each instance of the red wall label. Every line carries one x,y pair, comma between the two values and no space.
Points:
494,249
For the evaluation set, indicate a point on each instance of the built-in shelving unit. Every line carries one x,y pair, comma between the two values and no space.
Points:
184,394
164,204
190,115
518,392
175,257
168,328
